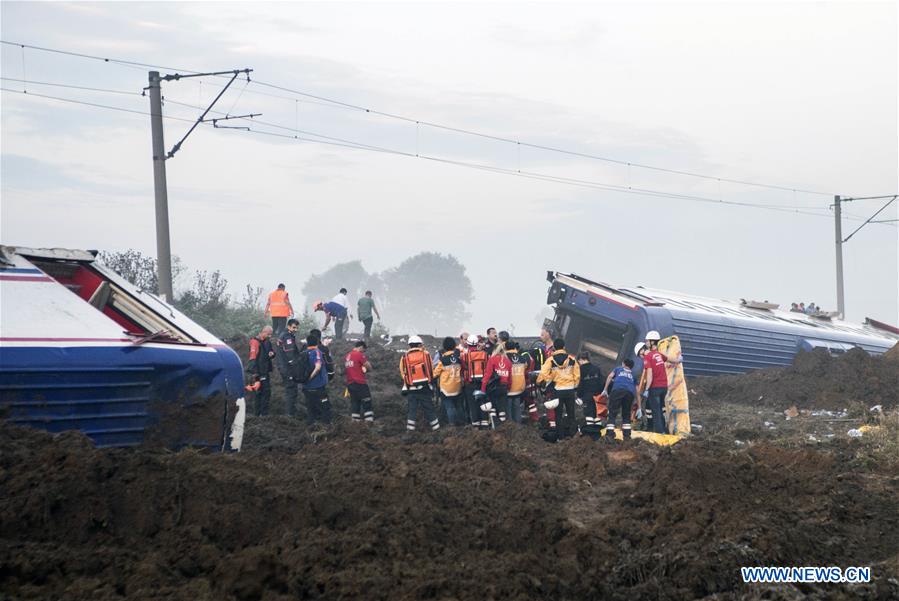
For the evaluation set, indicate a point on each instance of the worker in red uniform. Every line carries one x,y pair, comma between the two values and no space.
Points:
474,364
497,377
280,309
259,368
654,381
357,366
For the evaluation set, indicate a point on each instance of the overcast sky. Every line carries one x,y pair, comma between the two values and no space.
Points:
800,95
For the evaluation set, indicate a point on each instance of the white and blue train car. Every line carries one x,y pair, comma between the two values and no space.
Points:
83,349
717,336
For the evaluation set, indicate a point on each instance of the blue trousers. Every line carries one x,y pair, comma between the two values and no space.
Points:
454,414
657,405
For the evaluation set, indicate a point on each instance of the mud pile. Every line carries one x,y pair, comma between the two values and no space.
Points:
351,513
816,380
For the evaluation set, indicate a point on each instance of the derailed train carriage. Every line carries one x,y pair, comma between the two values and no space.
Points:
716,336
83,349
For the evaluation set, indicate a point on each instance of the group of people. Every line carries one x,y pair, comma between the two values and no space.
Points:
478,381
811,309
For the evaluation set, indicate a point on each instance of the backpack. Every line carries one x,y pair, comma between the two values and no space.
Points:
303,367
476,363
417,372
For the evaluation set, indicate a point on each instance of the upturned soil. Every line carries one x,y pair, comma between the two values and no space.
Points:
358,511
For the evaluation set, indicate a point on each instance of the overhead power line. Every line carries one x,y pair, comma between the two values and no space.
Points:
422,122
314,137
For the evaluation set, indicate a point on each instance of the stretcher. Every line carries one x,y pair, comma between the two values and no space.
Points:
677,404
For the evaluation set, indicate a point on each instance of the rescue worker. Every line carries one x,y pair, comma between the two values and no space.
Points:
279,308
546,340
417,374
326,351
318,407
259,367
448,376
334,311
364,309
340,322
562,374
288,354
474,363
497,377
518,380
654,381
503,341
357,366
621,390
535,358
591,386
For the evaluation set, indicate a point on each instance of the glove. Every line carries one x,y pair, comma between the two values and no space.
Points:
645,394
579,402
551,404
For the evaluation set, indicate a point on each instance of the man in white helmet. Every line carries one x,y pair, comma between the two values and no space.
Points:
417,373
654,381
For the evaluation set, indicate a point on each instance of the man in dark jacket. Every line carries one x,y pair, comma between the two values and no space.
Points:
288,353
591,385
259,368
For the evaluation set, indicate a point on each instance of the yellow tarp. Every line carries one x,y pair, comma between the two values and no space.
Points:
677,404
666,440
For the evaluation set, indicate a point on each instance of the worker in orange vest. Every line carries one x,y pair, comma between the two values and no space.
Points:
417,373
279,307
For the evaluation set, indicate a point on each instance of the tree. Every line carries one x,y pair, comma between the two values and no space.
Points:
325,285
138,268
427,293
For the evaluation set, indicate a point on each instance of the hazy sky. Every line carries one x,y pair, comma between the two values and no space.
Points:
801,95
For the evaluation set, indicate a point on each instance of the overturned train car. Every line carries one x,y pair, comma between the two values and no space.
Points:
717,336
83,349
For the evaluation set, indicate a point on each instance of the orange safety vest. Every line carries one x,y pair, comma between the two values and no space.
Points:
519,378
416,368
476,364
279,304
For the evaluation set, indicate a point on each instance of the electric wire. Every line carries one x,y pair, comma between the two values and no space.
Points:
356,107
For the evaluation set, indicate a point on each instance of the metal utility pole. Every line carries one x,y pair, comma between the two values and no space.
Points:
160,189
160,186
838,231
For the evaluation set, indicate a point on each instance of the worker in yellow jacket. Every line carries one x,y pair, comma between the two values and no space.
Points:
448,376
561,374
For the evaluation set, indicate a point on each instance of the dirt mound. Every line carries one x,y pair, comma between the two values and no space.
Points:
351,513
816,380
892,355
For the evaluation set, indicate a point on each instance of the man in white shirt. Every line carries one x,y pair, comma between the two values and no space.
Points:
340,322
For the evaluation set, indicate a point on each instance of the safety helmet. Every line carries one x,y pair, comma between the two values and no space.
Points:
652,336
551,404
415,339
472,340
639,347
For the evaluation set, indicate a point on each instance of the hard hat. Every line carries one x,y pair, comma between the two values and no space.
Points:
551,404
652,336
415,339
472,340
639,347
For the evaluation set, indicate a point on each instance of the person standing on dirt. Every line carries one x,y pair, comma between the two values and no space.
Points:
521,366
562,374
279,307
448,376
318,407
417,374
340,323
621,390
259,367
325,350
357,366
474,364
288,354
497,377
590,386
364,309
491,342
655,381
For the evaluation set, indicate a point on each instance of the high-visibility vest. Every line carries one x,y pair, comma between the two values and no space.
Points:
416,368
519,378
476,364
279,304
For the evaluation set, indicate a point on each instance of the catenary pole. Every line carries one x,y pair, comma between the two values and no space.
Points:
163,242
838,231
